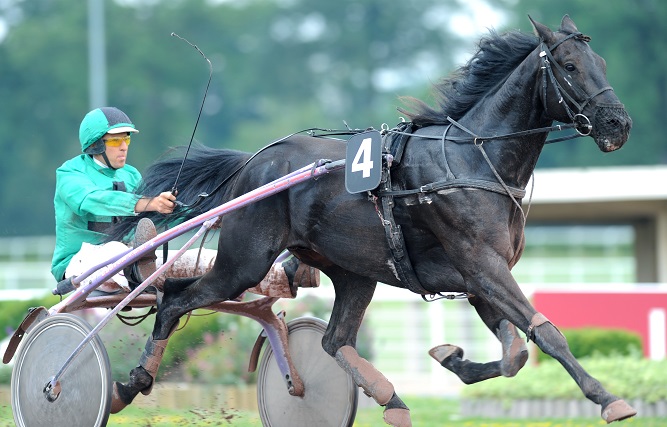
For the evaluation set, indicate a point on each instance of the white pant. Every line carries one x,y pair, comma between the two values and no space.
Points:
191,263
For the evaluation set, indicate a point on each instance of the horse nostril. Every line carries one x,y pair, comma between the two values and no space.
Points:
611,119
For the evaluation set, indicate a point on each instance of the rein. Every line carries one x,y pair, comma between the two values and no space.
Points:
476,139
309,131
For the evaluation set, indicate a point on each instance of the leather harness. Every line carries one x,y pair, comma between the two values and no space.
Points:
394,143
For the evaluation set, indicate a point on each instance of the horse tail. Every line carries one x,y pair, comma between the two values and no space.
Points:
204,170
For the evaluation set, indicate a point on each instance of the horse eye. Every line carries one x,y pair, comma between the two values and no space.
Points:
570,67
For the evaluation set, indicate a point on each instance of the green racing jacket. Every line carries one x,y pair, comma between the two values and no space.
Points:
86,200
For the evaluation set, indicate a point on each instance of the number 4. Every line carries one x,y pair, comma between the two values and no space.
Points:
365,165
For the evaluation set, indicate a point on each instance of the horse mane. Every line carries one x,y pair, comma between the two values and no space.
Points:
496,57
204,169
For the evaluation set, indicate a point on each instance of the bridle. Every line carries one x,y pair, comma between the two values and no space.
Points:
582,124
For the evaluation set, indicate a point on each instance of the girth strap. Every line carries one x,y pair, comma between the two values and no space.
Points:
406,273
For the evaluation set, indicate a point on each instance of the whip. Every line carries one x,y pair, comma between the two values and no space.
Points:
174,189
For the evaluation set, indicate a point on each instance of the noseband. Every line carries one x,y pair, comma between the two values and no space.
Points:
582,124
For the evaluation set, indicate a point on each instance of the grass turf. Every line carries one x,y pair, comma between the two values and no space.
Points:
425,412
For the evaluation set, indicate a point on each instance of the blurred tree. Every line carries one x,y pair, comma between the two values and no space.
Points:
43,91
279,66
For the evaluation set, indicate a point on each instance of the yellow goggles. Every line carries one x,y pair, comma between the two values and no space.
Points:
117,141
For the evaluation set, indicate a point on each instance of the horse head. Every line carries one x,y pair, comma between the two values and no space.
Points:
574,86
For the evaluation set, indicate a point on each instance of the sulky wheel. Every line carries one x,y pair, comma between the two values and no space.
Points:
85,396
330,397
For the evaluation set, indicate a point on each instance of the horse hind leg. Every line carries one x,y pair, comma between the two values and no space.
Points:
232,273
180,297
514,357
142,377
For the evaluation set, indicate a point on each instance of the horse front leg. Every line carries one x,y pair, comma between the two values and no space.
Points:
551,341
499,289
514,350
353,294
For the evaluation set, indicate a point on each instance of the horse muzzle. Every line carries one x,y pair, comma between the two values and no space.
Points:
611,126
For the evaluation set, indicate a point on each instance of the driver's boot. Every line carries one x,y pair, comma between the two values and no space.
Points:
144,266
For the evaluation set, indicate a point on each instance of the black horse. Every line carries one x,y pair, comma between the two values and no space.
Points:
447,216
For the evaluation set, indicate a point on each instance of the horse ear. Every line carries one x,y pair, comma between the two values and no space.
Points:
541,30
567,25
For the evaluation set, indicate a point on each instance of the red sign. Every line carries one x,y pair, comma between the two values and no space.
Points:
619,310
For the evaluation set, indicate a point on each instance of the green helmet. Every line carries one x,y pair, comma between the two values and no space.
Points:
99,122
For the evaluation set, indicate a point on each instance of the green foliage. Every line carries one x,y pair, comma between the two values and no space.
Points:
224,357
12,313
586,342
124,344
628,376
5,373
215,349
185,341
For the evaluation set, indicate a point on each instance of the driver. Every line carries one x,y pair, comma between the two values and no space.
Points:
95,189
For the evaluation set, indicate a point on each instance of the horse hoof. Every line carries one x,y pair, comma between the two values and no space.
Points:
397,417
618,410
117,403
515,353
443,352
512,366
